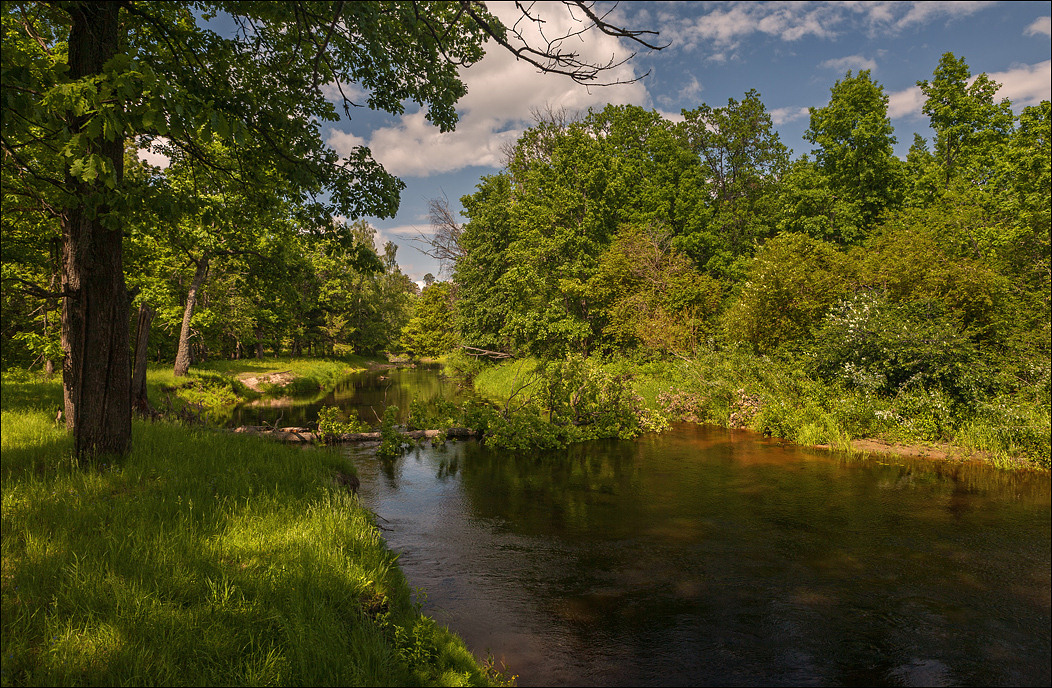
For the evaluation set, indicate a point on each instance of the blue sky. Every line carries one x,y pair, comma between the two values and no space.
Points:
791,53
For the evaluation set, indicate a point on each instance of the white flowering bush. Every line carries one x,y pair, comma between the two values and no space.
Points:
874,345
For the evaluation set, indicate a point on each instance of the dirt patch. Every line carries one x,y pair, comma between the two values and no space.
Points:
937,452
255,382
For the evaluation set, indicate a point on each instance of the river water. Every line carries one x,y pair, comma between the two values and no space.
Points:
704,556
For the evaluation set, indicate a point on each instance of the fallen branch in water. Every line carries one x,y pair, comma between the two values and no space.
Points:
306,435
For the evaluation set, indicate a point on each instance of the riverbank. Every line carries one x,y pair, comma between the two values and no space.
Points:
213,388
200,558
737,389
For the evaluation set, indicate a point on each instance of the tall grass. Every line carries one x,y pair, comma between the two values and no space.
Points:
200,558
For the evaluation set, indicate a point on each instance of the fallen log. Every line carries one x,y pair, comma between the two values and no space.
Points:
306,435
478,353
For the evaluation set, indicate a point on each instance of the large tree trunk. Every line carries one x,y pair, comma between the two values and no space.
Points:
97,371
182,356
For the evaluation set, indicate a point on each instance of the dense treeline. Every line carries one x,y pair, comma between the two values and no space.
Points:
624,233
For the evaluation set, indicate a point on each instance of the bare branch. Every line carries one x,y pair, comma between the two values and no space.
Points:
552,57
444,242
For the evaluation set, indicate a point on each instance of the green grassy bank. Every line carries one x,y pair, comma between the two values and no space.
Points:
201,558
737,388
212,388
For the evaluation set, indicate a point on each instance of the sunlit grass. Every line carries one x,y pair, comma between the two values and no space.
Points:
200,558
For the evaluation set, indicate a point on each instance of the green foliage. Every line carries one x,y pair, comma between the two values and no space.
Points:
650,296
871,344
330,423
791,283
392,443
741,158
434,414
808,204
854,138
550,405
971,130
431,331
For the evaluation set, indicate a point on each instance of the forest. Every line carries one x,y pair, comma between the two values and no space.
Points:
905,298
619,235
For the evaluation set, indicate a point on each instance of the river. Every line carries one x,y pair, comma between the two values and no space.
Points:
705,556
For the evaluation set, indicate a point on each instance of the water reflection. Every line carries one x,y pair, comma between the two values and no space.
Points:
706,556
362,395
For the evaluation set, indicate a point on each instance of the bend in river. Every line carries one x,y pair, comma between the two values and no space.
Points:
716,557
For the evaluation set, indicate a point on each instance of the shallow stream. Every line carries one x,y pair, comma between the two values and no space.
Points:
712,557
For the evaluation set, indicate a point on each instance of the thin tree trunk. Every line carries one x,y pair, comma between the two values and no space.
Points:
96,372
142,336
182,355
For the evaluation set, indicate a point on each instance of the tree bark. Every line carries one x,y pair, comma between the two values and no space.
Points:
96,372
182,356
142,337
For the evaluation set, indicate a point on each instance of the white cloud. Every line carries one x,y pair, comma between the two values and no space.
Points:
1042,26
1022,84
1025,84
502,91
721,29
345,142
856,62
927,12
906,103
788,114
691,91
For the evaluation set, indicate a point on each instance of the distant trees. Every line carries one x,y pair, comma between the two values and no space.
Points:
432,330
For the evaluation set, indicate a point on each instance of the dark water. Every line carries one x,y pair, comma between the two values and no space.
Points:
713,557
705,556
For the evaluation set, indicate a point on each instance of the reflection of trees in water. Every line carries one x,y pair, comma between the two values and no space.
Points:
782,571
365,395
576,489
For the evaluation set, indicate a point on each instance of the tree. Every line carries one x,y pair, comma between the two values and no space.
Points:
792,282
431,331
970,128
855,146
743,158
536,231
81,78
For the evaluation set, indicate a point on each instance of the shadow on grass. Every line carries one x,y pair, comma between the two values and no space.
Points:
25,391
203,557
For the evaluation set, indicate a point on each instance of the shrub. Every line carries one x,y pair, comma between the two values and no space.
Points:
792,282
330,425
392,443
871,344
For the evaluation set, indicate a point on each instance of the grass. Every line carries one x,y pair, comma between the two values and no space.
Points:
200,558
498,382
737,388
